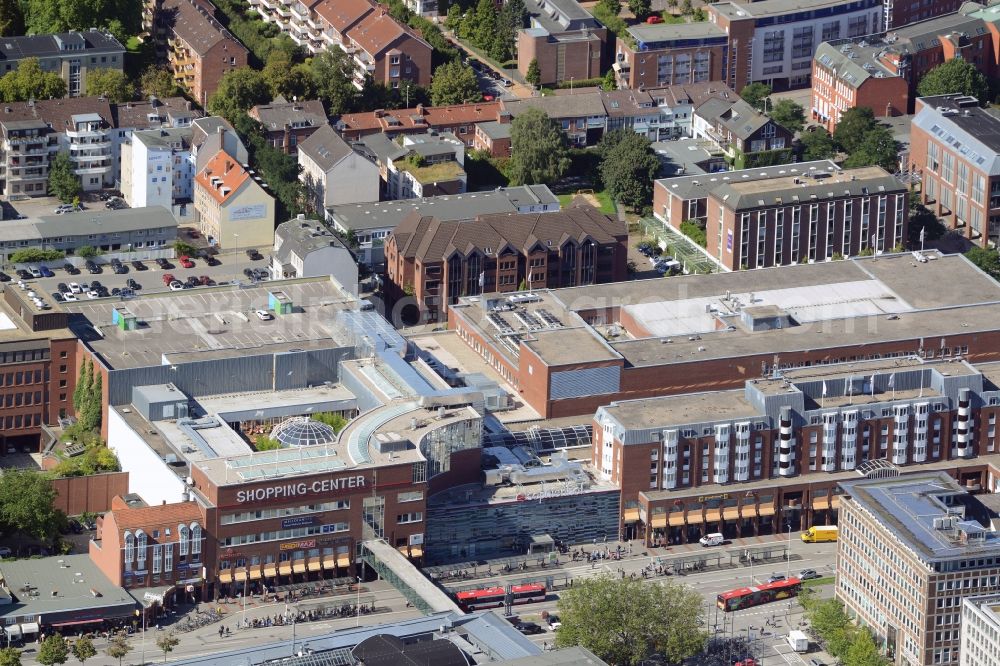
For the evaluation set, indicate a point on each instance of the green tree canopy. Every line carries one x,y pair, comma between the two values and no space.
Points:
239,89
53,650
158,81
851,128
11,18
863,651
63,183
167,643
613,7
754,94
534,74
10,657
34,254
513,15
335,421
817,145
641,8
111,84
83,649
789,115
123,18
287,77
955,76
624,620
118,648
332,72
454,83
538,149
986,259
30,81
878,148
628,167
87,251
266,444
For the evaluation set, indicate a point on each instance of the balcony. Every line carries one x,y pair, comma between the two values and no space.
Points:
300,11
92,170
283,12
267,4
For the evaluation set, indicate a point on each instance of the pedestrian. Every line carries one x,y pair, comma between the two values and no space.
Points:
220,631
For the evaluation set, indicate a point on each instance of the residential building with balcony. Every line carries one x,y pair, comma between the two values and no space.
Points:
671,54
745,136
911,549
677,104
198,48
25,152
71,55
955,149
566,41
371,223
286,124
792,219
459,119
414,166
582,116
158,168
88,138
231,207
436,262
333,173
845,77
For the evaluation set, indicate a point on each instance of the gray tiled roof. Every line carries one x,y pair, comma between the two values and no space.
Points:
853,70
792,189
99,220
91,42
736,115
325,148
560,106
166,137
279,113
300,237
557,16
971,131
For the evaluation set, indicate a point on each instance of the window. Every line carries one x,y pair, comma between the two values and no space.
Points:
157,558
140,547
412,517
184,541
414,496
195,541
168,557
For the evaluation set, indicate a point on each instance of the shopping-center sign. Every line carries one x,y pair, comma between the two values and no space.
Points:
286,490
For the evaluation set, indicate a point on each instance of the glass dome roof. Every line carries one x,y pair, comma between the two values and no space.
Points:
303,431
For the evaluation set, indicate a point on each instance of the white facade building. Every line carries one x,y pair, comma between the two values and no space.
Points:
333,173
157,168
980,631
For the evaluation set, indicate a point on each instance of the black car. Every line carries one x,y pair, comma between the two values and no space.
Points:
212,261
254,255
249,272
24,275
95,285
192,282
119,269
529,628
132,284
62,287
71,269
57,296
164,264
4,277
139,266
116,291
93,268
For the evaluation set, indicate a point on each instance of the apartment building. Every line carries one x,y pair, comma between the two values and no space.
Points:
459,119
71,55
955,147
333,173
436,262
565,40
287,124
746,136
911,548
413,166
38,371
771,454
212,134
231,207
493,136
881,71
381,47
980,630
581,116
307,248
899,13
197,47
671,54
371,223
158,168
27,148
791,219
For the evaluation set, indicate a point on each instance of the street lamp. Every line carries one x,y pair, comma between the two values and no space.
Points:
357,610
571,85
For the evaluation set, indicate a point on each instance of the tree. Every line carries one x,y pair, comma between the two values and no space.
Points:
83,649
123,18
10,657
87,251
112,84
333,72
538,149
90,413
513,15
454,83
987,260
239,89
754,94
53,650
817,145
158,81
624,620
11,18
286,78
878,148
534,75
30,81
34,254
851,127
863,651
184,249
63,183
789,115
609,82
613,7
82,385
266,444
827,616
167,643
640,8
335,421
687,8
955,76
628,167
118,648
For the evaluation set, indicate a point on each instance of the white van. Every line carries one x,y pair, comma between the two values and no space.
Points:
714,539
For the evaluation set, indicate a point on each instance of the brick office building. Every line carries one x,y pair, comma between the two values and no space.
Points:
664,337
955,147
566,41
904,12
436,262
844,77
37,370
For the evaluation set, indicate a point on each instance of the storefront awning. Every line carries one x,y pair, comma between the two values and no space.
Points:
329,562
713,516
695,518
659,521
676,519
631,515
343,560
270,572
835,503
314,565
732,513
255,573
73,623
29,627
298,567
416,551
13,631
225,577
285,569
240,575
765,511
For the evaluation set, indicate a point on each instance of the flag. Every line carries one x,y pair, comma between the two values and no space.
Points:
873,383
824,388
850,386
482,278
892,380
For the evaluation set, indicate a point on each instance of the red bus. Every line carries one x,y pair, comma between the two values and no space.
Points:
745,597
492,597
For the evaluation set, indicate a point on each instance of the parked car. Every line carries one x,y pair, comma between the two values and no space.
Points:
528,628
264,315
206,281
35,272
57,296
116,291
775,578
554,622
254,255
70,297
71,269
139,266
809,574
93,268
62,287
507,83
5,551
168,278
176,285
46,271
4,277
164,264
653,20
248,272
93,293
23,274
186,262
192,282
212,261
75,288
132,284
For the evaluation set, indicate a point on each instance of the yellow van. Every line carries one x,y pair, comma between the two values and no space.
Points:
820,534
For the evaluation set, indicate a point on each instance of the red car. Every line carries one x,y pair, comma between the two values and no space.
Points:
168,278
193,233
186,262
653,20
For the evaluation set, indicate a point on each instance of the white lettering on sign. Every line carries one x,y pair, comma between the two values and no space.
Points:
295,489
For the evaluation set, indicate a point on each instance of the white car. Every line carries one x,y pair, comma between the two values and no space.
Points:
75,288
176,285
93,294
70,298
264,315
35,272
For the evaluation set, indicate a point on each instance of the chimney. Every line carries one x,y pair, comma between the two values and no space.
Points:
187,105
421,110
379,113
229,165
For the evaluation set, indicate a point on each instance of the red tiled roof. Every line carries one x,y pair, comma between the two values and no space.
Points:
343,14
227,170
433,116
146,517
377,33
